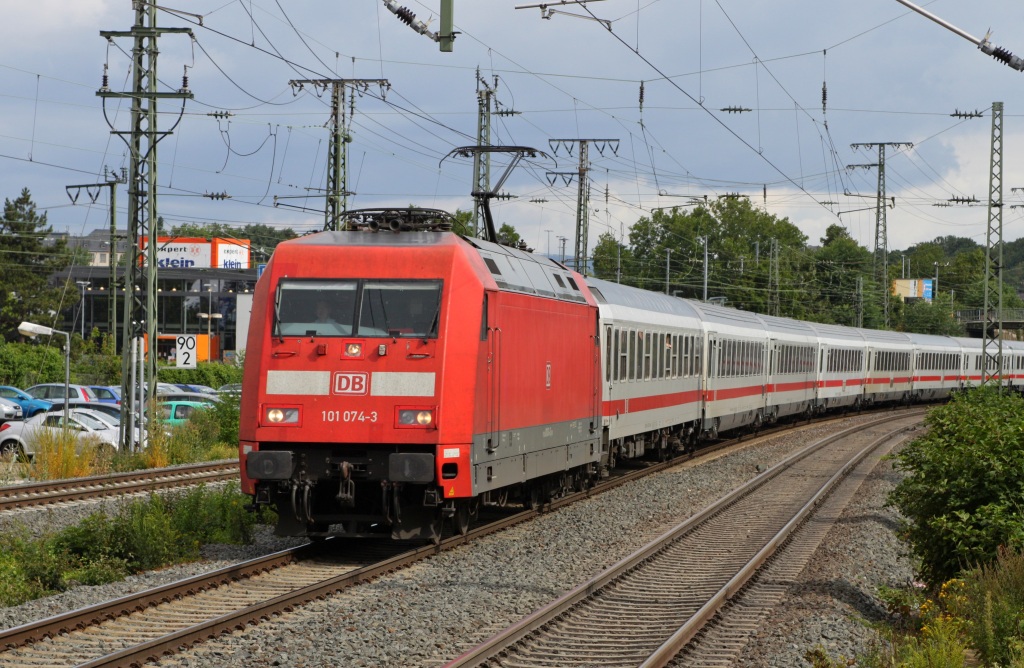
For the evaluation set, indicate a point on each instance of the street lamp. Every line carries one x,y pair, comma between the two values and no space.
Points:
33,330
81,307
209,317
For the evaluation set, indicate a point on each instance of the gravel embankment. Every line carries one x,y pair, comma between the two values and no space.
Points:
429,613
835,599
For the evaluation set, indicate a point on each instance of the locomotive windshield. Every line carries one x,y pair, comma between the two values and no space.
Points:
366,308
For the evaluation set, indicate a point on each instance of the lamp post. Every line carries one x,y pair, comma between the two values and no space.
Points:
209,317
33,330
81,308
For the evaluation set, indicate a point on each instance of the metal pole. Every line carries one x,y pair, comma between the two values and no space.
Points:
67,372
668,256
81,306
705,268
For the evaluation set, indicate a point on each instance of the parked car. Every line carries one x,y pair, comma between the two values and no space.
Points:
51,391
181,395
29,405
21,437
98,406
175,413
106,394
230,388
10,410
201,389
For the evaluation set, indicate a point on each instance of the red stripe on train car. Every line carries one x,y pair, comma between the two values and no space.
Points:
637,404
732,393
792,387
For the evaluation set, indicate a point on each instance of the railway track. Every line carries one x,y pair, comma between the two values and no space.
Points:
135,629
648,607
96,487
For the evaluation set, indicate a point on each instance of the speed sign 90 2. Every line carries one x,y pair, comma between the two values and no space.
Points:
185,354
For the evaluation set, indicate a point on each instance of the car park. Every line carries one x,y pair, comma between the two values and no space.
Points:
21,437
50,391
9,410
29,404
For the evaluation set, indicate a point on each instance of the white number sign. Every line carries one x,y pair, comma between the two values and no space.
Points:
185,354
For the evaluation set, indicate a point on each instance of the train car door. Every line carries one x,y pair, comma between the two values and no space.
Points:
493,385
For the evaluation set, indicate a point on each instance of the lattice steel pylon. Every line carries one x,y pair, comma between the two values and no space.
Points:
880,259
992,343
337,152
140,293
583,191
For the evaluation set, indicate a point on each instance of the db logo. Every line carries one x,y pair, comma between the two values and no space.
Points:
351,383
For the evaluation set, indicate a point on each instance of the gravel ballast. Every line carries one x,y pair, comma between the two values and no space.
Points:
431,612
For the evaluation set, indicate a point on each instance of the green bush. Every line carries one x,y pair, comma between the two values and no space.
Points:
140,535
26,364
211,374
962,493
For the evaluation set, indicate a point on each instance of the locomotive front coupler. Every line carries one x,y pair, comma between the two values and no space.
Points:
347,488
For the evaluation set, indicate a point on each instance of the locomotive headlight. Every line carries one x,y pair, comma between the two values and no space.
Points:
353,350
280,415
415,417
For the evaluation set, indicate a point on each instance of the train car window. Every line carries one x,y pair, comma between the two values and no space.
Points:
558,279
648,351
687,352
483,321
623,345
698,356
572,283
400,309
632,357
608,359
676,354
316,308
493,266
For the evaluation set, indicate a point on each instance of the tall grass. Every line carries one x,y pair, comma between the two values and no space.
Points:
60,454
991,598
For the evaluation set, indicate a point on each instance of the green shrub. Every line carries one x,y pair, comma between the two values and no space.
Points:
962,493
30,568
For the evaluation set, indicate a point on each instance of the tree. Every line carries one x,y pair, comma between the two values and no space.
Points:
29,257
610,257
508,236
840,264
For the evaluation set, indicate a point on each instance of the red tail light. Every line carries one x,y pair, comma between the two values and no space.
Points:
5,425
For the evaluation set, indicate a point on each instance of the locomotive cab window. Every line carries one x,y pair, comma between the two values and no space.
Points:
365,308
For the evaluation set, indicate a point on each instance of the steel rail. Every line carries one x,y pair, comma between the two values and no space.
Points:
94,487
545,615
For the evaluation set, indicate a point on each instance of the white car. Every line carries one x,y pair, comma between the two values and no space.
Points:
9,410
21,437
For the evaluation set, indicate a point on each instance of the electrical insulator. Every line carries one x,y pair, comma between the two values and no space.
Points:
824,95
641,96
405,15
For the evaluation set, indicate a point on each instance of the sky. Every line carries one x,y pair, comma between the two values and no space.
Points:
888,74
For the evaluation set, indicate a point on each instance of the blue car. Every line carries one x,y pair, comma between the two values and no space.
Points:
106,394
29,405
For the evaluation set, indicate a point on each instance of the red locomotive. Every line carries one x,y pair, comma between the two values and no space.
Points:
398,374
